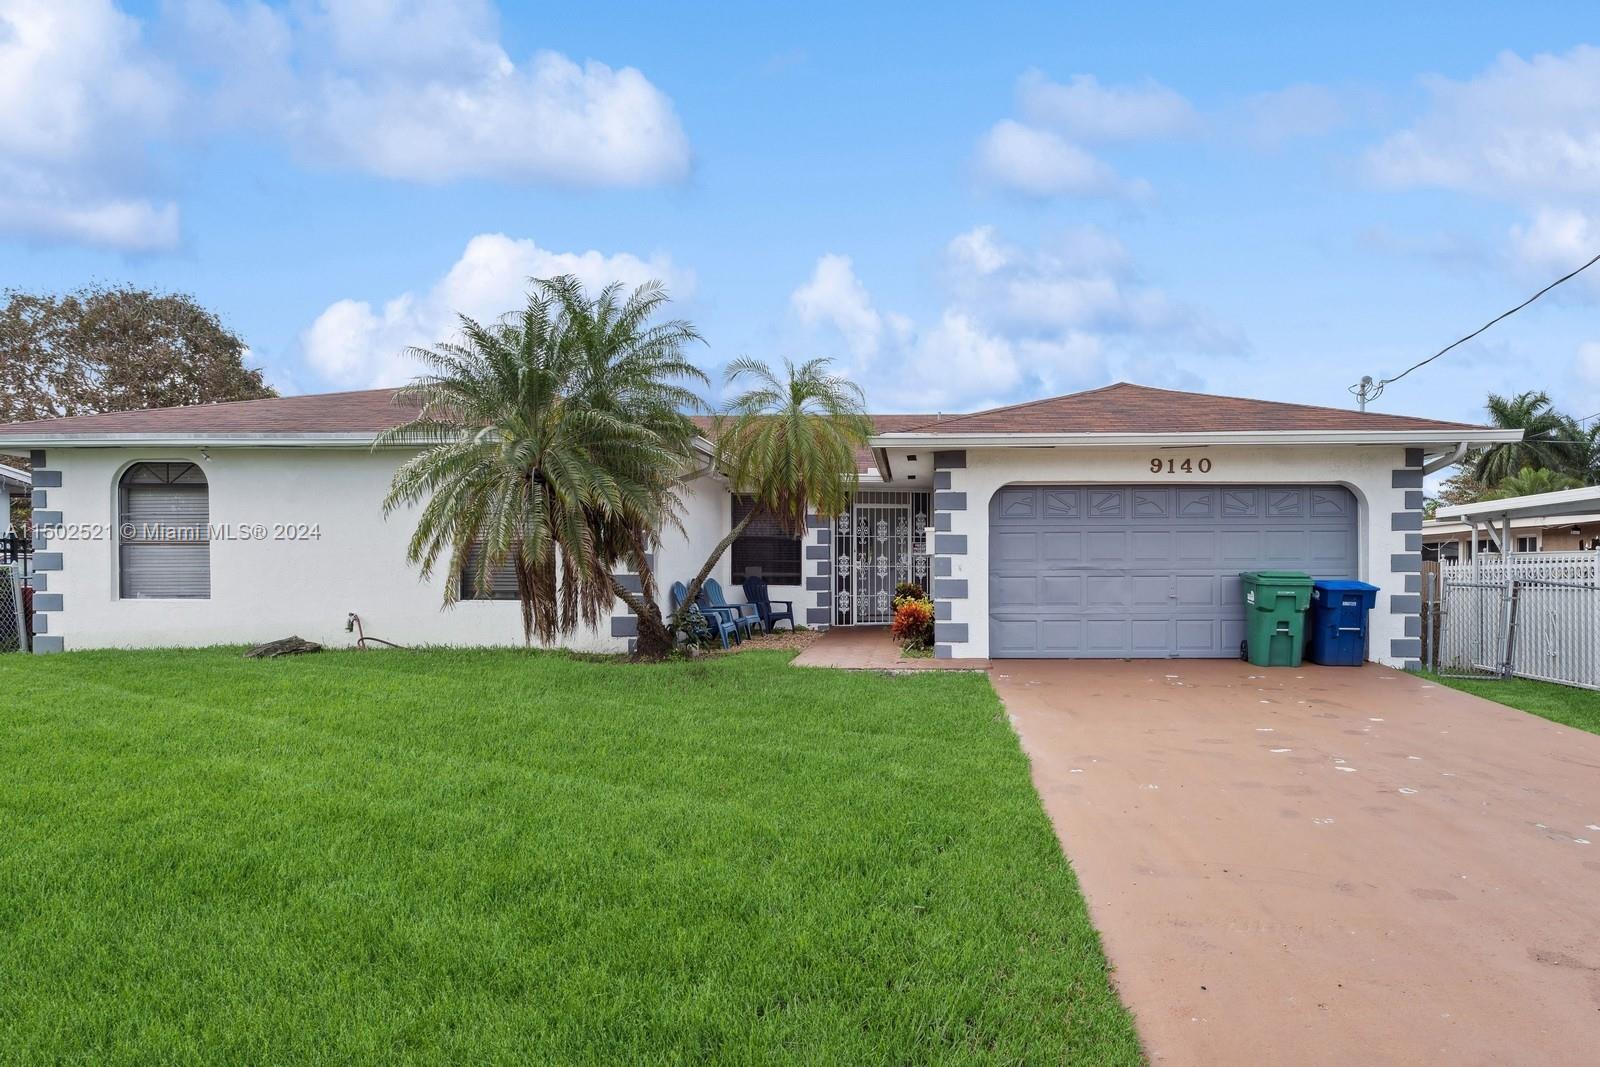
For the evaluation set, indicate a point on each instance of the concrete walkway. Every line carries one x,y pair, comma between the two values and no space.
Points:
1324,865
871,648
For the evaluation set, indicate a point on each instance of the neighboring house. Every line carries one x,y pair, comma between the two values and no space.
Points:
1444,539
1108,523
17,485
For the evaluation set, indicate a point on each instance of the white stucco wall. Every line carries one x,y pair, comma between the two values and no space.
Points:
1368,471
261,590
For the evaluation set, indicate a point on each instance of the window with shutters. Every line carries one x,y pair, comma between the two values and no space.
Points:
765,549
163,520
502,584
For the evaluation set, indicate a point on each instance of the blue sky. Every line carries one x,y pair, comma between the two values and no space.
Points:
964,206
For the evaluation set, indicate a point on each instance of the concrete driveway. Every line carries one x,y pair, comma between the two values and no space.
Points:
1325,865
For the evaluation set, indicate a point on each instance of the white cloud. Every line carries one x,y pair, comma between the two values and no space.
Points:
1556,241
1042,319
1523,127
1043,154
422,90
1085,109
1039,163
835,296
79,96
354,344
1269,119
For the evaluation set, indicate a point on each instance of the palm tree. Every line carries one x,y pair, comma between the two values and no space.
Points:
1550,439
789,442
1529,481
553,440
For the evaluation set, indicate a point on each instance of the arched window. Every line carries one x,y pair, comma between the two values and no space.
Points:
163,517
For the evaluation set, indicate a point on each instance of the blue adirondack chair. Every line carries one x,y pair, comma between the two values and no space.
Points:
755,591
746,616
710,625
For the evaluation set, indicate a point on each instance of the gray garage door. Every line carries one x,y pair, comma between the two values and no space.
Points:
1150,571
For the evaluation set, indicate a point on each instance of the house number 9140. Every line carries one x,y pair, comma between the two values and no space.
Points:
1180,466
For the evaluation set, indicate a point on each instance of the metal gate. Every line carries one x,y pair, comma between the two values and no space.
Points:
13,626
1543,629
880,542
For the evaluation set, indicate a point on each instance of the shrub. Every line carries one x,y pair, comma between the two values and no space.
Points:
910,591
913,623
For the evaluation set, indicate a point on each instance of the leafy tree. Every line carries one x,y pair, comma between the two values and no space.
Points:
789,442
1529,481
116,349
1550,439
552,440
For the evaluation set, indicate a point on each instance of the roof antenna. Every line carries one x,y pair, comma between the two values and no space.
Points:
1366,390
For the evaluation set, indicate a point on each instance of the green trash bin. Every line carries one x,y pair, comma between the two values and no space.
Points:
1275,604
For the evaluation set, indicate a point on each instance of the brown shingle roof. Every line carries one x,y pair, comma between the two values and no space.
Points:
1120,408
368,411
1134,409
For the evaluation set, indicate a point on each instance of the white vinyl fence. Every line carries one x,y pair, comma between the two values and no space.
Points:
1525,617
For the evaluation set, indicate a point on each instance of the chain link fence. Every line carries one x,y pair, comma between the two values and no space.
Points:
1538,628
13,622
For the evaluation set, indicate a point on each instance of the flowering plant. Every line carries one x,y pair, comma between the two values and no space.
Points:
913,622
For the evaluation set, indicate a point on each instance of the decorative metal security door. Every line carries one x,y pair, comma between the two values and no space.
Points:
880,542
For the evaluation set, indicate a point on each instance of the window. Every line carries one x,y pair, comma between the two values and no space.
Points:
502,579
164,549
1527,544
765,549
1486,544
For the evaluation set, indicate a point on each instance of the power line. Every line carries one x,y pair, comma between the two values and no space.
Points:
1368,390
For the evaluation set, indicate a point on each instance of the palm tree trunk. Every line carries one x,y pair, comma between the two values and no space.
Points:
711,563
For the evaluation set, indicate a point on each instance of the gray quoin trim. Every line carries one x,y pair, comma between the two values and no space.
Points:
941,479
952,632
949,544
953,459
950,501
47,631
941,567
943,652
817,570
941,610
1405,568
817,616
950,589
624,626
1406,479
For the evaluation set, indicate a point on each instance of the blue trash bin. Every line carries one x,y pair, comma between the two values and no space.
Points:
1338,622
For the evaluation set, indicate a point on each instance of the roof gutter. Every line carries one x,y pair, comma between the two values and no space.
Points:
1453,438
1445,459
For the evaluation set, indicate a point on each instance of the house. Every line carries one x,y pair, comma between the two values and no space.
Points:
1106,523
1453,539
1564,521
17,486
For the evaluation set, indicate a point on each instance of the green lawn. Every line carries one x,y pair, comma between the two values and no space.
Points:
480,857
1558,703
